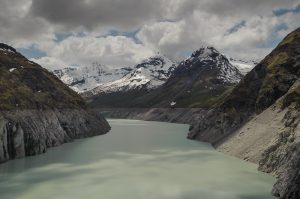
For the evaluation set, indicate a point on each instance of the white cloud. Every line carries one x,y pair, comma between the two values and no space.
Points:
172,27
51,63
111,51
249,41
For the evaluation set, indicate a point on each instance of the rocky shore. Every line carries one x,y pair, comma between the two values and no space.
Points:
31,132
37,111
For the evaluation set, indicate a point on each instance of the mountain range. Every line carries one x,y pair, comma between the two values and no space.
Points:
150,73
198,81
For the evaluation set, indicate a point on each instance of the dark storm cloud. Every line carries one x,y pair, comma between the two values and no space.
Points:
94,13
130,14
18,27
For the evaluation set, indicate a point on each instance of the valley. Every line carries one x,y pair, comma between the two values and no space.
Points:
251,112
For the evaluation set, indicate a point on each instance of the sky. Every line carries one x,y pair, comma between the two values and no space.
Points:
118,33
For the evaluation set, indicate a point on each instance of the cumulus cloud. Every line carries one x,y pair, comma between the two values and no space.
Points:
248,40
51,63
240,28
111,51
18,28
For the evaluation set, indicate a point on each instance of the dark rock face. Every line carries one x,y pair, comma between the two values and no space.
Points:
283,158
288,183
32,132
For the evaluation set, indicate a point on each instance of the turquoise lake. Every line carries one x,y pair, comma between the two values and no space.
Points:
136,160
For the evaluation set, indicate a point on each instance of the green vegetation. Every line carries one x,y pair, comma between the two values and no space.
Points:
29,86
270,80
291,37
207,99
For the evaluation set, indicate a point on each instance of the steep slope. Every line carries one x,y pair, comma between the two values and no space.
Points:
199,81
267,82
37,110
82,79
270,93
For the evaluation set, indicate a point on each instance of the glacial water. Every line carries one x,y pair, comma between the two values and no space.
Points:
136,160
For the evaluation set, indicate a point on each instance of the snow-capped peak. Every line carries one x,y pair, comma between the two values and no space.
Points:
212,59
149,74
156,62
243,66
204,52
86,78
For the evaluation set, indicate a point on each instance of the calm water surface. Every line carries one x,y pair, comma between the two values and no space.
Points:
136,160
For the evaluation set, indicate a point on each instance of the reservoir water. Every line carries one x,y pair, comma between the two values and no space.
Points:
136,160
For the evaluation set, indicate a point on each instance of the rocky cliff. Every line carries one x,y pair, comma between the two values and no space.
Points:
37,111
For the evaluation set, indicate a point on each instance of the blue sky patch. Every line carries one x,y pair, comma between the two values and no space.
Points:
131,34
60,36
275,39
284,11
31,52
236,27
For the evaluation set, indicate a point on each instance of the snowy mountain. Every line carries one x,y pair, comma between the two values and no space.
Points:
149,74
86,78
209,58
243,66
202,80
97,78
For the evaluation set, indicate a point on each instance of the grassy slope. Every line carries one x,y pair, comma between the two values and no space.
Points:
270,79
30,86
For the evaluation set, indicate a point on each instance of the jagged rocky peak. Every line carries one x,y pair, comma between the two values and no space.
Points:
154,70
85,78
7,48
205,52
211,60
149,74
158,61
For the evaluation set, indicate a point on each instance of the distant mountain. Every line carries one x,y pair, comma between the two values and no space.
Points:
37,110
86,78
197,81
243,66
149,74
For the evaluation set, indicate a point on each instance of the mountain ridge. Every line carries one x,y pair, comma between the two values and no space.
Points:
206,74
38,111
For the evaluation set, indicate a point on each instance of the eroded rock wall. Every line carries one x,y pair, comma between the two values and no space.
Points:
32,132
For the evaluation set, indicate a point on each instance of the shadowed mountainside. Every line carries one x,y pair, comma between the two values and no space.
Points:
37,110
